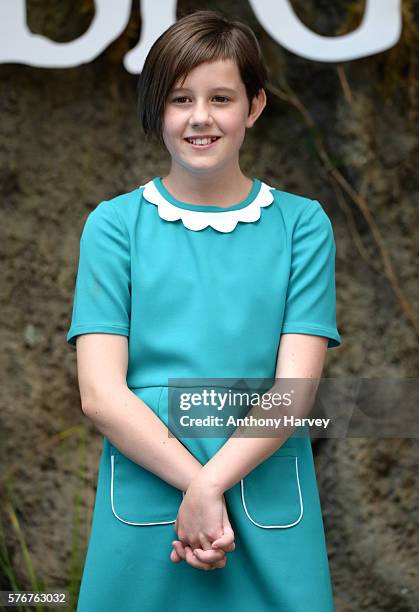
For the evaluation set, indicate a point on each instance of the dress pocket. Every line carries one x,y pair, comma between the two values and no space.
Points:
271,492
139,497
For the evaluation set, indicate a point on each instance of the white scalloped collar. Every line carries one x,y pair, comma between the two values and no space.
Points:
196,220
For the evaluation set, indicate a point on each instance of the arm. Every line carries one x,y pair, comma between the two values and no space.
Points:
124,418
134,428
308,329
299,356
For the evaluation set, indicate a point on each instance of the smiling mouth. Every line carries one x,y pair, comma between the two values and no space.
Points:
202,143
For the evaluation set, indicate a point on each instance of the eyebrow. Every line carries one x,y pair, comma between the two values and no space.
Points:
222,87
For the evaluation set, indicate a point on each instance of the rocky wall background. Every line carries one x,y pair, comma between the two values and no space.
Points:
345,134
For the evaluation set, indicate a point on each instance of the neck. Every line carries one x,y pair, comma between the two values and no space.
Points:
221,188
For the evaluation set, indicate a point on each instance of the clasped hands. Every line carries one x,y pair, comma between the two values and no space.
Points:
203,527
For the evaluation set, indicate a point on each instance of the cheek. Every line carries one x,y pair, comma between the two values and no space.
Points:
167,127
168,134
235,122
170,123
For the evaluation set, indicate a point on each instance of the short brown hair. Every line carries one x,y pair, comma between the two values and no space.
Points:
201,36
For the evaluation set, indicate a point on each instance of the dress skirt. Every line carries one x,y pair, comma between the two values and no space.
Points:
280,561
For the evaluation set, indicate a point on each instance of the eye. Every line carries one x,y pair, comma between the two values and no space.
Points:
183,99
179,99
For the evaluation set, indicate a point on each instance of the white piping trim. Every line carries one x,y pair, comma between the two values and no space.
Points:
223,221
275,526
119,517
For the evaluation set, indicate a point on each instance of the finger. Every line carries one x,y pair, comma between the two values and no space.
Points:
206,553
227,547
209,556
220,564
194,561
225,541
179,548
175,557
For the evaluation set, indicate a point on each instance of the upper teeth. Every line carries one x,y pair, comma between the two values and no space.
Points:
202,141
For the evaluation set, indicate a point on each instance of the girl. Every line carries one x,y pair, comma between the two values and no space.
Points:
204,272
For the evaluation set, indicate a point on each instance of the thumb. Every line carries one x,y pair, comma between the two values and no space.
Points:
226,541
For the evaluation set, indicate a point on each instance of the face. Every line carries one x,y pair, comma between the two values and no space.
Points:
211,102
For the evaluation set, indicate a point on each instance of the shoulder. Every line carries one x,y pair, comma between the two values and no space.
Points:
113,215
299,211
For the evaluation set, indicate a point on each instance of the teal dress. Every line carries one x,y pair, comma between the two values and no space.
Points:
200,292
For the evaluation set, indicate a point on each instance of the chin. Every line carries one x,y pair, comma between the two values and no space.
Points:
203,168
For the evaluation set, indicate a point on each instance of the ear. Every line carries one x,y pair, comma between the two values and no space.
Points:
258,104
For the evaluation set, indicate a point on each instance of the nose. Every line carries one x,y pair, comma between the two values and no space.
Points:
200,114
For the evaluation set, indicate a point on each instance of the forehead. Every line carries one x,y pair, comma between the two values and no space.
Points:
214,75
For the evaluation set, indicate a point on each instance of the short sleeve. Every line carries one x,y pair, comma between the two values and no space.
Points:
311,296
102,295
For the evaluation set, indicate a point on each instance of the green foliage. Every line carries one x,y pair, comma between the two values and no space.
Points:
33,582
